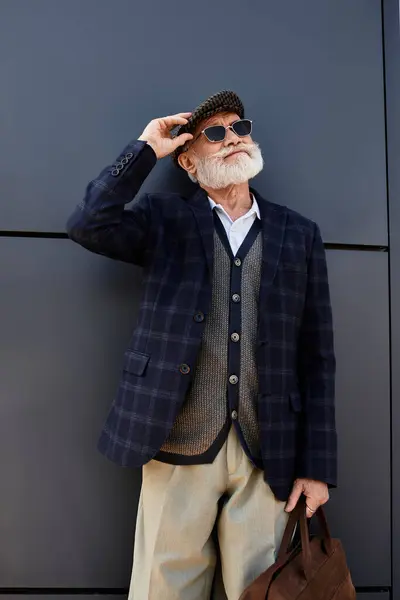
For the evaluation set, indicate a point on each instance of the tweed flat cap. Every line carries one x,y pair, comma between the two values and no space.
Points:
224,101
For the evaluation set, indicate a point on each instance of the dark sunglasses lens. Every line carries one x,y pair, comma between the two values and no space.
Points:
215,133
242,127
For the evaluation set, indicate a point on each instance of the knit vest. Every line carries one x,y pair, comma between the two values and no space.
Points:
225,383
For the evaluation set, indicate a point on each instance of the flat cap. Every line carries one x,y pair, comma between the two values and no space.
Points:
224,101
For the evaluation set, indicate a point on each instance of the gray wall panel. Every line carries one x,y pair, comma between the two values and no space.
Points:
67,515
374,596
84,78
392,55
360,304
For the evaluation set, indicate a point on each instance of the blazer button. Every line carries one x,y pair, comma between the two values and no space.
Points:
184,368
199,317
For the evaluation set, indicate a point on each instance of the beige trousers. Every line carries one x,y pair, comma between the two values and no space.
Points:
174,556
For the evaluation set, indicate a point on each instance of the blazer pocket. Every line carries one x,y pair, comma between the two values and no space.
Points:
135,362
295,401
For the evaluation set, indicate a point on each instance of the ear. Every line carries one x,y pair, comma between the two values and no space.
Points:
186,162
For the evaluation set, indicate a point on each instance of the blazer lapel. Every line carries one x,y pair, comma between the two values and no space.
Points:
273,220
202,210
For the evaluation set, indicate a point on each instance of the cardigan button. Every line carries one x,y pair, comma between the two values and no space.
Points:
184,368
237,262
233,379
236,298
199,317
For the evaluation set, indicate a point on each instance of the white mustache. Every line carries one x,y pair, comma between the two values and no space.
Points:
227,151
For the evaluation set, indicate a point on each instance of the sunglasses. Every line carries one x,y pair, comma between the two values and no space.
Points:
217,133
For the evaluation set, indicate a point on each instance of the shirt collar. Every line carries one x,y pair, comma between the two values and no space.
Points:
254,207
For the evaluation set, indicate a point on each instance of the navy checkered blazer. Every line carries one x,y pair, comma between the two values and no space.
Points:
171,237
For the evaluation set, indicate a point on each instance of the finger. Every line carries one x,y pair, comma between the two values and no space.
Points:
311,509
312,504
171,126
182,139
293,499
185,115
174,120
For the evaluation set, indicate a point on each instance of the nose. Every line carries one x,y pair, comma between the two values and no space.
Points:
231,138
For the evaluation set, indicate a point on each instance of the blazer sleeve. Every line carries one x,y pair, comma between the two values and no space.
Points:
102,224
317,366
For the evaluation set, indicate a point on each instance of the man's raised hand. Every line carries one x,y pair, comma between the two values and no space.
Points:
158,134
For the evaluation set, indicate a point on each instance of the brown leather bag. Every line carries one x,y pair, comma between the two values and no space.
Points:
315,569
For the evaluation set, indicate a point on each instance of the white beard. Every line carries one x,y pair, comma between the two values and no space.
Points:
216,173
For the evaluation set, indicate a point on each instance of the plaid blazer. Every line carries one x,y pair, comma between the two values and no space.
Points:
171,237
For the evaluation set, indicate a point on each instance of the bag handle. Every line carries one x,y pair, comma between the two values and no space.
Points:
298,514
261,586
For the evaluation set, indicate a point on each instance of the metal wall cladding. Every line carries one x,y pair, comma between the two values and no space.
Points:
68,515
310,78
392,81
373,596
359,289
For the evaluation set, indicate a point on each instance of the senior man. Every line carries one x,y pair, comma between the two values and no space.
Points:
226,394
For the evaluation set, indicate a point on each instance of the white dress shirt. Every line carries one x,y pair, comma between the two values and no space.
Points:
236,230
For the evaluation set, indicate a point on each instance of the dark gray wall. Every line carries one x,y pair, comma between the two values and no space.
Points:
69,513
392,72
83,78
